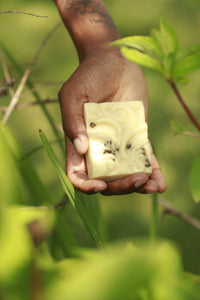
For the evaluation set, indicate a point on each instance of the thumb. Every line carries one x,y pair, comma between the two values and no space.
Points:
74,128
74,124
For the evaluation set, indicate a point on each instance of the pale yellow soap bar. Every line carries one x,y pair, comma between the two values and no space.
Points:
118,140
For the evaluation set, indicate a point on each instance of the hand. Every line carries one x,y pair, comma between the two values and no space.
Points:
104,75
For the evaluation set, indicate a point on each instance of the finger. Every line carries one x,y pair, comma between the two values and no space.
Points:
126,185
156,182
77,171
73,117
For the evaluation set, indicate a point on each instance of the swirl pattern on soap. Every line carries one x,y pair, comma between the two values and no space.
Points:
118,138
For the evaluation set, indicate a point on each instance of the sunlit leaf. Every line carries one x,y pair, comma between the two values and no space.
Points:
122,273
144,44
195,179
166,37
142,59
169,37
177,127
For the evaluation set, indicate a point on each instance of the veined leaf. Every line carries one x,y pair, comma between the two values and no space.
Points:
195,179
177,127
142,59
187,65
144,44
74,198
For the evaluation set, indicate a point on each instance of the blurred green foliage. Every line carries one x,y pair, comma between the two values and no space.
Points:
45,251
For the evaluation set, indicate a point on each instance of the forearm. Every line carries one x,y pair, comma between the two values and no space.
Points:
88,23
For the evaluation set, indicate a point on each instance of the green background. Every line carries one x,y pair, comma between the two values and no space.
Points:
126,216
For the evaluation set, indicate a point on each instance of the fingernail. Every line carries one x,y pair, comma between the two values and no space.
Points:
138,184
79,146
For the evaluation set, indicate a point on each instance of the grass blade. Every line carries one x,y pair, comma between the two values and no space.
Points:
75,198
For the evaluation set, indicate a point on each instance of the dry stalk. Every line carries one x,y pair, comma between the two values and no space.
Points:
6,73
169,209
26,74
22,13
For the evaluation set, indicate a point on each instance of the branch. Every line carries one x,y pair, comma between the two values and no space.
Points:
26,74
192,134
169,209
22,13
29,104
7,77
185,107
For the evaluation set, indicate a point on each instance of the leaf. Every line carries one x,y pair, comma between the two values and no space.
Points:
187,65
168,64
142,59
38,192
195,179
177,127
76,201
144,44
170,36
166,37
187,51
129,272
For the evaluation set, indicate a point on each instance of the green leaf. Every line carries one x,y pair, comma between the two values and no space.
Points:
187,65
187,51
142,59
122,273
168,63
38,192
177,127
70,191
166,37
169,34
195,179
144,44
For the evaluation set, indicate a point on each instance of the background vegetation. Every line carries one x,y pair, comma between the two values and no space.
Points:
125,216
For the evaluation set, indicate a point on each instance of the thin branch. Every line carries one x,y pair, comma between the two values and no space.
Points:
26,74
192,134
22,13
185,107
29,104
6,73
169,209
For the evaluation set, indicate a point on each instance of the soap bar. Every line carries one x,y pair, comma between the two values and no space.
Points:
118,140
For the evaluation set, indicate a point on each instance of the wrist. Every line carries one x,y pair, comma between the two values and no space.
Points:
89,25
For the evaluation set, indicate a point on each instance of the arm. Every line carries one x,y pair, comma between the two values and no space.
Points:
103,75
88,23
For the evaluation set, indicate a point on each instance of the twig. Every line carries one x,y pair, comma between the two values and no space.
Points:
192,134
29,104
6,73
185,107
26,74
169,209
22,13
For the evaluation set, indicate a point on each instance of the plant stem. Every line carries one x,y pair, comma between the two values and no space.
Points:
192,134
154,217
185,107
